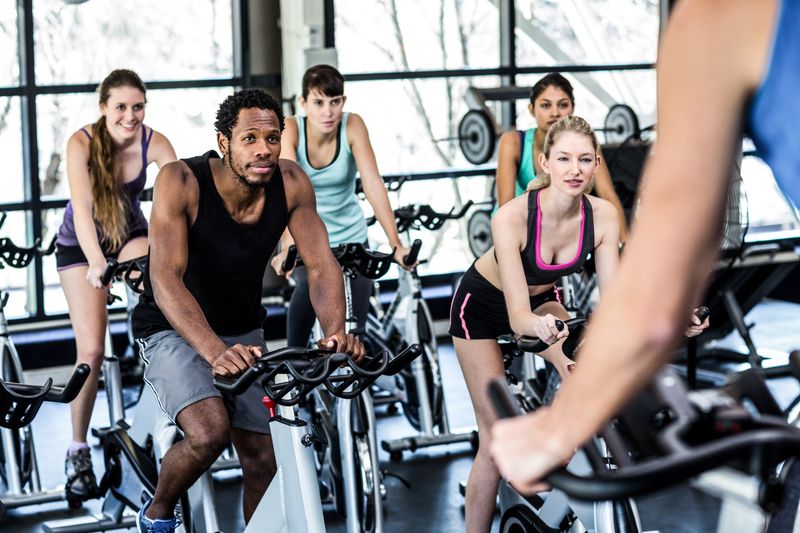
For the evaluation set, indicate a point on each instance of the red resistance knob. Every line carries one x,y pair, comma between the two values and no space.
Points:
270,405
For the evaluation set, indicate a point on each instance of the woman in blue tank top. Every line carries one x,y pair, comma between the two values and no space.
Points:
722,67
106,163
332,146
539,236
517,158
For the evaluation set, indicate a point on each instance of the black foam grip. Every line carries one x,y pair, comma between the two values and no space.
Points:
403,359
503,402
108,273
290,259
702,313
74,385
411,258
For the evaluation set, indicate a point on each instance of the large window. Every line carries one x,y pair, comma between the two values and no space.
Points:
179,39
13,185
424,55
562,32
9,51
413,124
416,35
47,93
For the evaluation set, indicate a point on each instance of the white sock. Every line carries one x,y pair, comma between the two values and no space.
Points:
75,446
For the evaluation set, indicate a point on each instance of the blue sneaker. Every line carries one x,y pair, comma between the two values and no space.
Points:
159,525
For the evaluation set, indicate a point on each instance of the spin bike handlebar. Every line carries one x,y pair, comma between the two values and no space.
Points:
535,345
413,254
131,272
20,257
699,435
19,402
422,215
683,459
351,256
305,369
527,343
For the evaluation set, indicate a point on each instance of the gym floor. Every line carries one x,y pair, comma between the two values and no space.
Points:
433,502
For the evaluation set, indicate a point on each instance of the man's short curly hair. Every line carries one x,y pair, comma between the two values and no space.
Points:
228,112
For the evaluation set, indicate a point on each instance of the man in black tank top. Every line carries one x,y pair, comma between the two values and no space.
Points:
214,225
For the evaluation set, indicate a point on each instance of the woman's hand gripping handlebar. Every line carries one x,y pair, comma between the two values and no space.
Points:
131,272
413,253
302,370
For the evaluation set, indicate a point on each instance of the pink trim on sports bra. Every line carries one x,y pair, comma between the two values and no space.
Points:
541,264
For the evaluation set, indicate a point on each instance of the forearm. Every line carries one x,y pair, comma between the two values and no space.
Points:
523,323
185,315
608,193
379,200
286,240
505,191
86,232
623,225
326,291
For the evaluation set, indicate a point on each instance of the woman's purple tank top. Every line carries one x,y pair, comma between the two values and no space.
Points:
135,217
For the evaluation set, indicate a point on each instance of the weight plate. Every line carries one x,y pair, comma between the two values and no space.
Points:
621,124
479,232
476,137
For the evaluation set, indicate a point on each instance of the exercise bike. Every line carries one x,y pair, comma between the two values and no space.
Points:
734,441
19,466
552,511
348,423
407,320
292,501
19,404
132,451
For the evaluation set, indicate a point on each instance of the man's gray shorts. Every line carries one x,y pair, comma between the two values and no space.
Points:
179,376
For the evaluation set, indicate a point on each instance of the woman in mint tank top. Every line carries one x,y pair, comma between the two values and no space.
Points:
332,146
517,160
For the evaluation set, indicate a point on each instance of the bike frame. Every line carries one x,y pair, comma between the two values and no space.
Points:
16,494
292,501
344,419
406,311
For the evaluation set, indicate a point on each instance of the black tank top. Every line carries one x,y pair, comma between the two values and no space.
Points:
537,272
226,263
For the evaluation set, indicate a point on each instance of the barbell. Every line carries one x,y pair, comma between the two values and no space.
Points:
477,137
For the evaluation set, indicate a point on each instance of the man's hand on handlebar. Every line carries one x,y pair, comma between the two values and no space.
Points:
235,360
346,343
696,326
524,451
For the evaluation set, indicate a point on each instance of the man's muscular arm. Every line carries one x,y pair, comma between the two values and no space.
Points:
175,198
325,285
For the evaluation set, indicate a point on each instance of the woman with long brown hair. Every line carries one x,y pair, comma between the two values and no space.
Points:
106,169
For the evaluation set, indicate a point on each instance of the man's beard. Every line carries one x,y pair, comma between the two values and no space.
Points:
241,179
